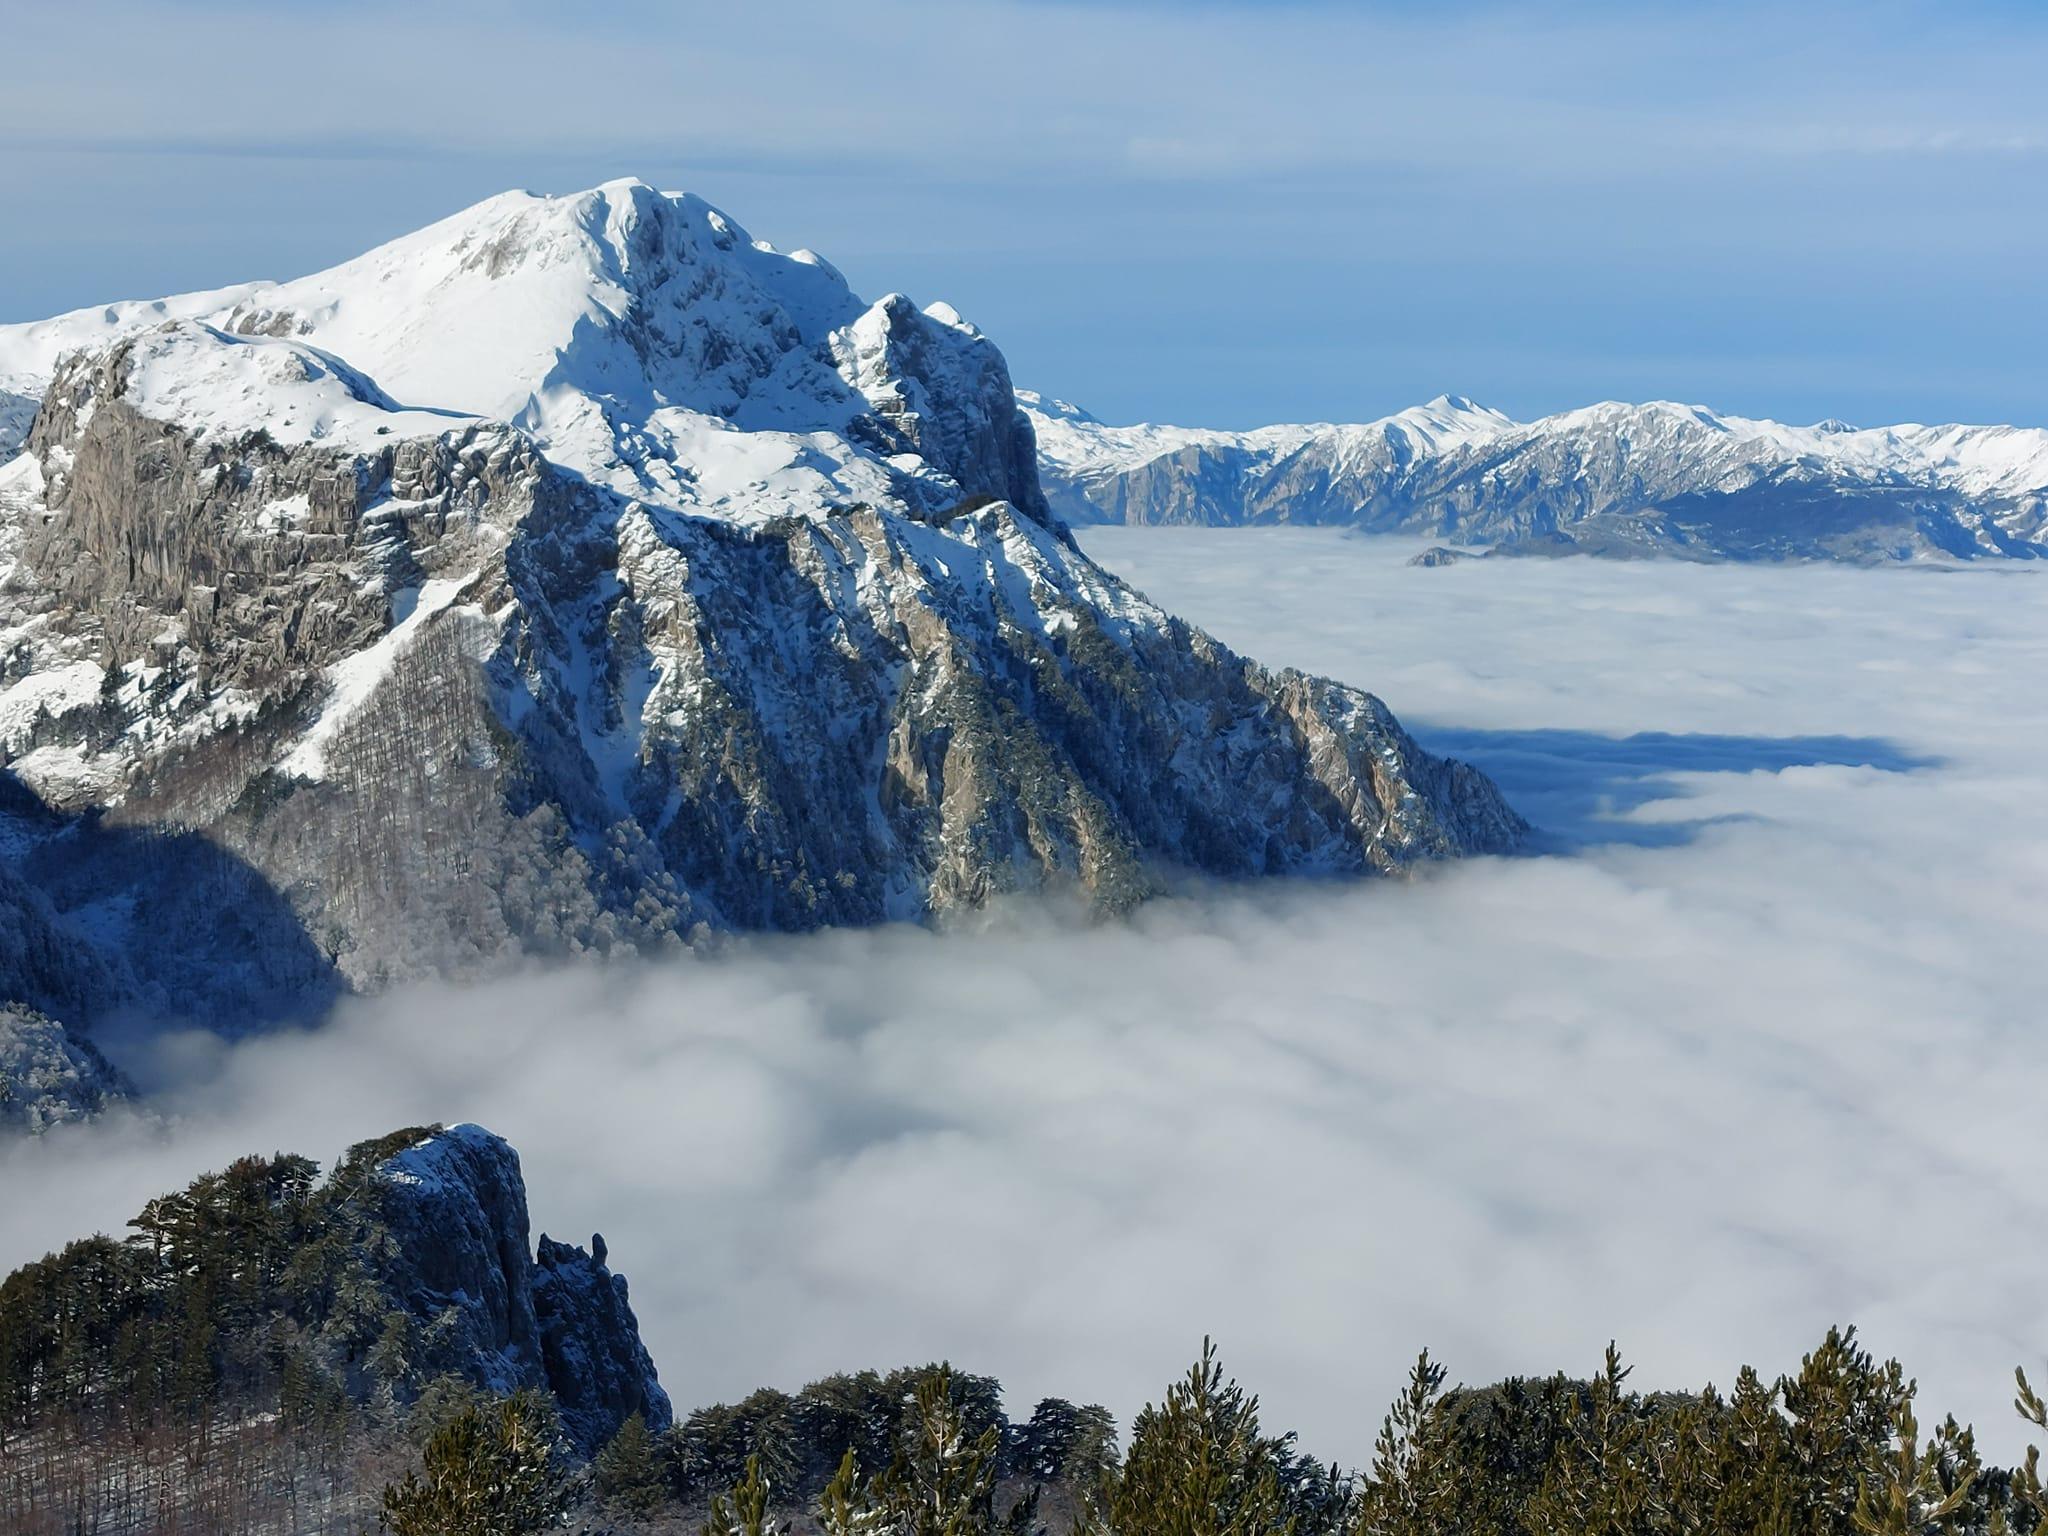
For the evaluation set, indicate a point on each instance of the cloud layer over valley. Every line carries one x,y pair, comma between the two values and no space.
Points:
1755,1047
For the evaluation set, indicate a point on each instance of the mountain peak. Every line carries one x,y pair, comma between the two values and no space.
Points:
624,186
1448,421
707,594
1626,472
1061,410
627,330
1461,405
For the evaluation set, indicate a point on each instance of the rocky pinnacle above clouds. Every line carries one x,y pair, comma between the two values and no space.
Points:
453,1254
1630,480
580,573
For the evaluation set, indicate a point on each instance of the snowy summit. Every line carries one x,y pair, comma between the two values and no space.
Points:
583,573
1611,479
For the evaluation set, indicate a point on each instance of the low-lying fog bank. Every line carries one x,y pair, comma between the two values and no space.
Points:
1758,1048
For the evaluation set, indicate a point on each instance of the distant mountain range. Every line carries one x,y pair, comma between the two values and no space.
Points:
576,575
1628,480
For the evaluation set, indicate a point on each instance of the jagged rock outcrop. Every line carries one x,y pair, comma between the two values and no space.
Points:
591,1352
375,1298
950,405
457,1260
581,574
49,1075
1625,480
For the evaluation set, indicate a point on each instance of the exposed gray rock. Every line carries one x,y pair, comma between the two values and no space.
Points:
48,1075
456,1259
596,1366
950,403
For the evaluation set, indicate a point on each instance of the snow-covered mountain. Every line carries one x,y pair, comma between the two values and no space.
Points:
1609,479
580,572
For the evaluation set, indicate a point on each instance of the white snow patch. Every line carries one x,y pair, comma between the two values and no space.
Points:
354,679
56,692
29,353
214,384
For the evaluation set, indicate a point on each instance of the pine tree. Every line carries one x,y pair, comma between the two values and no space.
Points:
1722,1466
1914,1494
487,1472
707,1452
439,1403
847,1508
1405,1495
2026,1482
390,1358
1843,1409
1198,1466
743,1511
1596,1484
942,1482
1061,1442
627,1471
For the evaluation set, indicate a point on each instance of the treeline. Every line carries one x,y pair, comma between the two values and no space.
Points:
798,1440
869,1444
1831,1449
255,1287
237,1365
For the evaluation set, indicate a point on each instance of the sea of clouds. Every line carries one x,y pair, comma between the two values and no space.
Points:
1754,1045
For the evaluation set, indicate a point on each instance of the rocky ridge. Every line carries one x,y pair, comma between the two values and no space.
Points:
1612,479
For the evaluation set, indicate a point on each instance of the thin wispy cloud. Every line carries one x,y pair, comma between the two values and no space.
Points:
1082,179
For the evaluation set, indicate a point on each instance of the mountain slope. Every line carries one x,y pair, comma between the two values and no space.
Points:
579,573
49,1076
1610,479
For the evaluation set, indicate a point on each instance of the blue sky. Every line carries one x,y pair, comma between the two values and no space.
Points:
1220,214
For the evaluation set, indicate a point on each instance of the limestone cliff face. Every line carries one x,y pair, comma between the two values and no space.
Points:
455,1257
262,562
745,610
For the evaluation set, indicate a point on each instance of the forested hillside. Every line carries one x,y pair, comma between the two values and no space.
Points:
252,1353
269,1350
